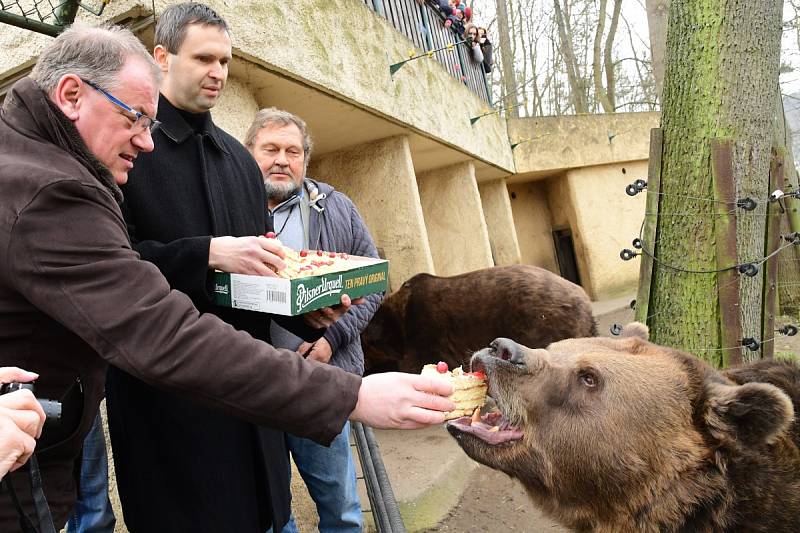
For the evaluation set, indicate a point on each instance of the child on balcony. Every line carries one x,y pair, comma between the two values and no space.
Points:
455,13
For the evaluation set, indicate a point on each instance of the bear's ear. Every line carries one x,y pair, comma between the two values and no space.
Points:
398,300
751,414
636,329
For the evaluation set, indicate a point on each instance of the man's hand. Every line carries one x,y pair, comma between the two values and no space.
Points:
402,401
21,421
323,318
257,256
316,351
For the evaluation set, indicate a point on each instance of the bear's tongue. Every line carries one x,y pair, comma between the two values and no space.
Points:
492,428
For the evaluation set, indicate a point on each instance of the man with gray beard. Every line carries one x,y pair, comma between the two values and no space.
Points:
307,214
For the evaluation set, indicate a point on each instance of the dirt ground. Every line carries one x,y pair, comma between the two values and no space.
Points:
498,503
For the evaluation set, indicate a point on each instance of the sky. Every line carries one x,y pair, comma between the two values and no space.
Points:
635,13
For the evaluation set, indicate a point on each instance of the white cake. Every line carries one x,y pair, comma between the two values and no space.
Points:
307,263
469,388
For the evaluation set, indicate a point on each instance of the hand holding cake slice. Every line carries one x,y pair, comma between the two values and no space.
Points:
469,388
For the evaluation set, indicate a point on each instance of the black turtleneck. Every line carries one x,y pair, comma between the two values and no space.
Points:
196,121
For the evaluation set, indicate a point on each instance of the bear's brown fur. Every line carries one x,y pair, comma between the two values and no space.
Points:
431,318
621,435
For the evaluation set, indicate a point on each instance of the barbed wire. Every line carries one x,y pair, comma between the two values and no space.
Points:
748,203
749,269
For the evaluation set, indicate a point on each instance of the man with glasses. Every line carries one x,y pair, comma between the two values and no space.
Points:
139,121
74,296
93,511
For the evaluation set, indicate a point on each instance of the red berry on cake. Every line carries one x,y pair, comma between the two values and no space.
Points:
441,367
303,253
270,235
320,253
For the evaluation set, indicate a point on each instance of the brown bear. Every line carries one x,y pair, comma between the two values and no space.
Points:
621,435
431,318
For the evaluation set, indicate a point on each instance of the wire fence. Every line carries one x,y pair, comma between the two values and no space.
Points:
49,17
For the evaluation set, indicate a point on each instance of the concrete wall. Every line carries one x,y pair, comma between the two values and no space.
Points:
561,143
236,108
340,50
500,222
340,47
379,178
561,200
603,220
453,212
606,221
533,221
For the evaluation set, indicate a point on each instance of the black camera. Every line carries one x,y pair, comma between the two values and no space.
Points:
52,408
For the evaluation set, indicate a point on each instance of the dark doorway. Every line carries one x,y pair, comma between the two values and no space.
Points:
565,254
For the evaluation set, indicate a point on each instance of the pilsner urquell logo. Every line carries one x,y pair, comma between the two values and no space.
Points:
325,287
220,289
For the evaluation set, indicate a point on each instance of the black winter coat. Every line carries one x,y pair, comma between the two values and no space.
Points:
181,467
488,52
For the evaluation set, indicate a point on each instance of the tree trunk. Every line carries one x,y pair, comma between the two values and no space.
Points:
722,58
510,101
597,63
602,61
611,92
657,15
576,83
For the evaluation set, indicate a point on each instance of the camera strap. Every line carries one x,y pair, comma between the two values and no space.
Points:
39,502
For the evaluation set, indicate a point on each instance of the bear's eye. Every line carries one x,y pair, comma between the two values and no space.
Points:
588,379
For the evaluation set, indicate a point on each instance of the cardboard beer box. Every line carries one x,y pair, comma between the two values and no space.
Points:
296,296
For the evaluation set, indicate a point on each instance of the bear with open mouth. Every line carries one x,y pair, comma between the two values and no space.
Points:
618,435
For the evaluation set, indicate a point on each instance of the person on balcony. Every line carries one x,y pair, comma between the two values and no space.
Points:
486,48
471,36
455,14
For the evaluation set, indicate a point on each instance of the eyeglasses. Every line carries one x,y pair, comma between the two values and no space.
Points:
141,122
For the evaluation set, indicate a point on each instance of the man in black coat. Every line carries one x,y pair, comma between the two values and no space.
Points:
181,467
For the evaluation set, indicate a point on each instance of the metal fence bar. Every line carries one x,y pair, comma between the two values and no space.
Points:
385,510
49,17
426,22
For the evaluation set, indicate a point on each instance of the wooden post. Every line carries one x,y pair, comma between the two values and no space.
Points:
773,241
725,236
650,224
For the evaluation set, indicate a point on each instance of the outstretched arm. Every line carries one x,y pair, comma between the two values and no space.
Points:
402,401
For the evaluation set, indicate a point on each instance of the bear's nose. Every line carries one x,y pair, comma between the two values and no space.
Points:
507,350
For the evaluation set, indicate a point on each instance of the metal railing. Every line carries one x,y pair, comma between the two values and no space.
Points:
424,25
49,17
383,504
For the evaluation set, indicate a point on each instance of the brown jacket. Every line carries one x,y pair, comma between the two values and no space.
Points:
74,297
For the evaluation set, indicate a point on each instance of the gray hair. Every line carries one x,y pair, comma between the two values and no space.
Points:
278,117
174,21
95,54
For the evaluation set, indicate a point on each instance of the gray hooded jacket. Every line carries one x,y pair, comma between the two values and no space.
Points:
340,228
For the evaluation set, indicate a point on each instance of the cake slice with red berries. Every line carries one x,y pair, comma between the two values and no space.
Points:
306,263
469,388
